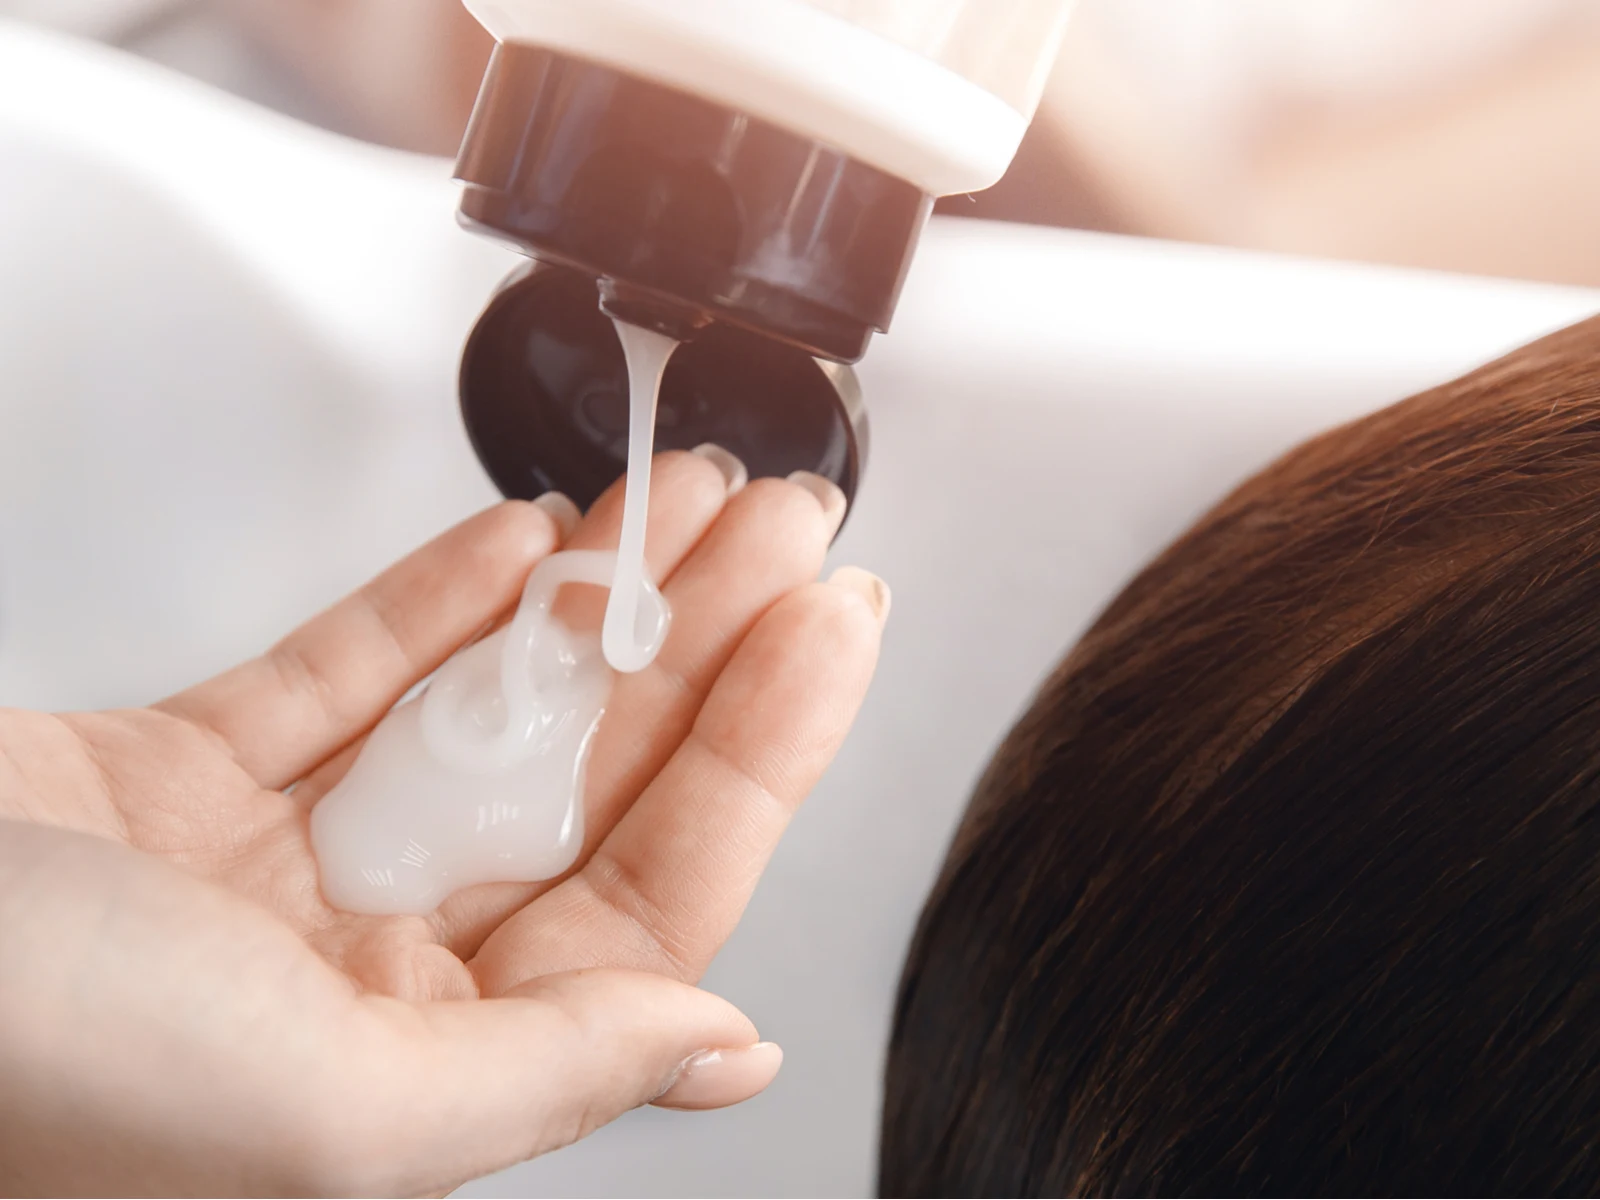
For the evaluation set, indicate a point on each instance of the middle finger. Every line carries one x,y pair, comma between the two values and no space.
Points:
768,540
687,491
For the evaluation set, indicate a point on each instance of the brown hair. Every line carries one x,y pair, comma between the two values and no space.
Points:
1289,880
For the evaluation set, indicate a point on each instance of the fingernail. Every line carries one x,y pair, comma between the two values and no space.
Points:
733,471
562,511
718,1078
827,493
868,586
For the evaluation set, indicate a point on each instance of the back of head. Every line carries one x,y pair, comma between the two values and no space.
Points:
1289,880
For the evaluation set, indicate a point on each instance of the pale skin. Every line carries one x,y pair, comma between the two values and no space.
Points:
182,1013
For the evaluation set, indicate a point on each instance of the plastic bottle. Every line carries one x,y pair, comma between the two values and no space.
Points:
935,92
750,174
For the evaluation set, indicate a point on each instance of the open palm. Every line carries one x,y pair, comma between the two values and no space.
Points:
241,1035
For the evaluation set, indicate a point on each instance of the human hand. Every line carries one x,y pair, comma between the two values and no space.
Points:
181,1012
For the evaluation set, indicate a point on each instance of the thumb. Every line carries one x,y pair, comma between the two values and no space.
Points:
485,1084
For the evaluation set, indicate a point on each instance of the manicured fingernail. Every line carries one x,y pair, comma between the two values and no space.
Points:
718,1078
562,511
733,471
827,493
868,586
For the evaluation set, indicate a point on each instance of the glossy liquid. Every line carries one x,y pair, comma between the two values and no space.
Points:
480,778
628,646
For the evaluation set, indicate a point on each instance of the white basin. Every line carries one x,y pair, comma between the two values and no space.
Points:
227,357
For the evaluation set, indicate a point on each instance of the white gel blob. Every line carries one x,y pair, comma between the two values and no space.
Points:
480,778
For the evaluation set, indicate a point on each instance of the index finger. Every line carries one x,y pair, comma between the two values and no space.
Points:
327,683
665,889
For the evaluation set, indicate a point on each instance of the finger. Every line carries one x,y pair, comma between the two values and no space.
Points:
666,888
334,677
460,1089
771,539
688,490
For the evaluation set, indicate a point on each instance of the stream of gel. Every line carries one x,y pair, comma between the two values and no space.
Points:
480,778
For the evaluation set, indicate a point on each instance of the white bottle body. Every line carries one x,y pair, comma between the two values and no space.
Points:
935,92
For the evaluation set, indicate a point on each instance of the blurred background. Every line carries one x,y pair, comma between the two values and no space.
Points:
1454,134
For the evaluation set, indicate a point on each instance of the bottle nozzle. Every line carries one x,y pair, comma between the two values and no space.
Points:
651,310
